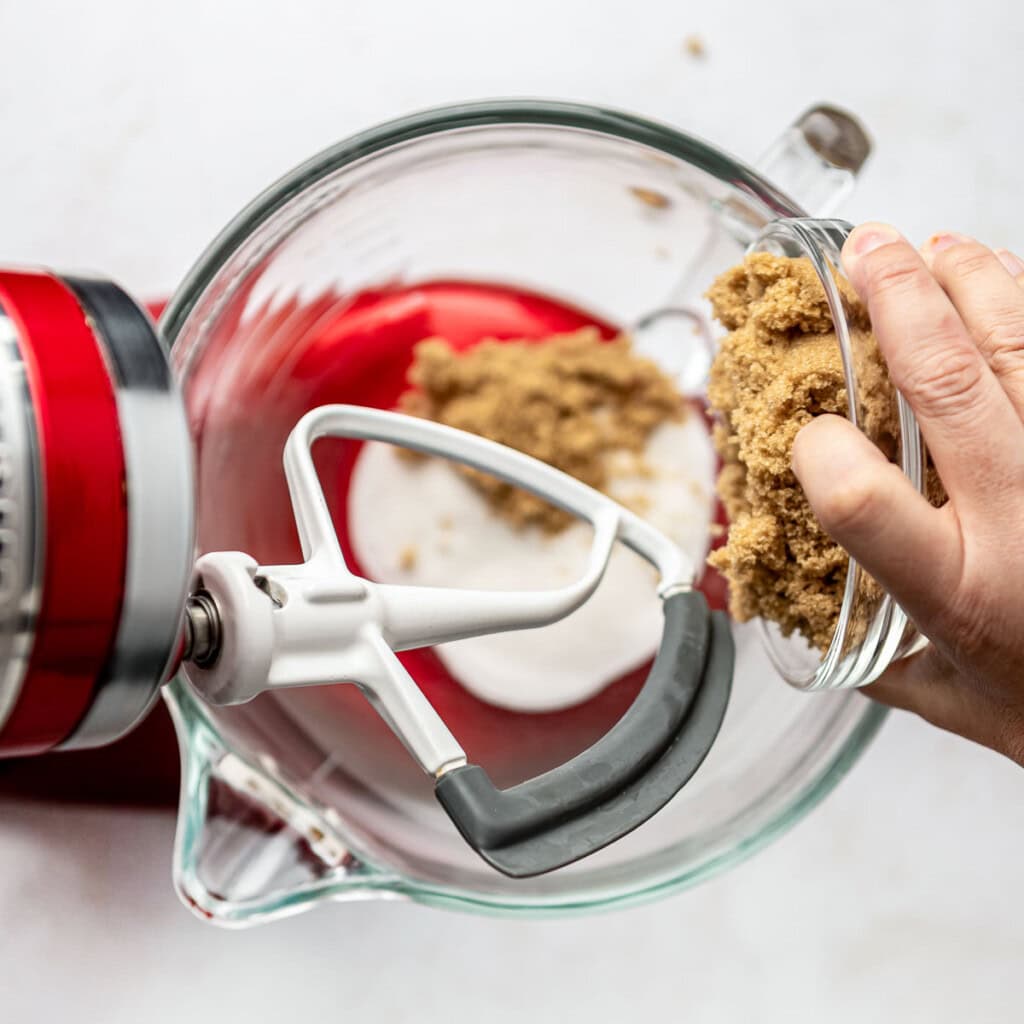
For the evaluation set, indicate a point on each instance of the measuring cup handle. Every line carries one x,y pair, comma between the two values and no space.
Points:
626,776
817,159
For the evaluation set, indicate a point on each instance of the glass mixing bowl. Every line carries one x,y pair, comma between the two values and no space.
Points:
303,796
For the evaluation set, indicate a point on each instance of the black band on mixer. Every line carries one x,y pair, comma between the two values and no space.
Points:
158,485
624,778
136,353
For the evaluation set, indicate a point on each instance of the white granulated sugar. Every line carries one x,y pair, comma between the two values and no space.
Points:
421,523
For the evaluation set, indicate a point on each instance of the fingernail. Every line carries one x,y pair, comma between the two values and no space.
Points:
871,236
1014,264
944,240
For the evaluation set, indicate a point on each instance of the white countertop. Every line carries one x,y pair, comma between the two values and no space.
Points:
131,133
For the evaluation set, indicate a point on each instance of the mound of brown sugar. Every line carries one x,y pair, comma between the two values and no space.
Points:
571,400
779,366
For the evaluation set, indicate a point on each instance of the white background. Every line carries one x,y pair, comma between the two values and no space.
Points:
130,132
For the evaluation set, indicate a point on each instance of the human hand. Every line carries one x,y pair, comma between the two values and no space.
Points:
950,323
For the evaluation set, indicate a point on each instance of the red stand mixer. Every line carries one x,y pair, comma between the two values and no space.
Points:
123,460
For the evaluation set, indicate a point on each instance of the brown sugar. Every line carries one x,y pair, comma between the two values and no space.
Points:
779,366
408,557
694,46
573,401
651,197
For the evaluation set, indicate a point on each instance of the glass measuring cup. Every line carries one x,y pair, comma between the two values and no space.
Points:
304,796
872,630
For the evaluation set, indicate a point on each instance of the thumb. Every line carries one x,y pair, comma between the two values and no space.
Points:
871,509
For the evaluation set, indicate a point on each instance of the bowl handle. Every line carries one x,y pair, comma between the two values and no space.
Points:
817,159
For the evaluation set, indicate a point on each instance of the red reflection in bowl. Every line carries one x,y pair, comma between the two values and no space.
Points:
301,354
